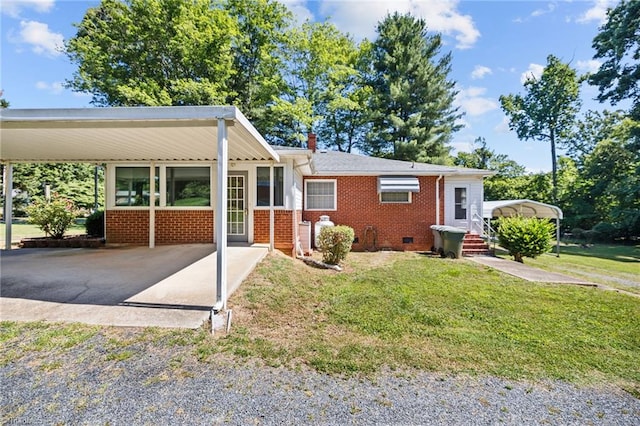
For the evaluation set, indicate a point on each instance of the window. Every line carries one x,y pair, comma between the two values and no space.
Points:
320,194
395,197
133,186
460,203
263,187
188,186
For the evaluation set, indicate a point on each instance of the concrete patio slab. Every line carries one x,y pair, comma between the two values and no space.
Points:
167,286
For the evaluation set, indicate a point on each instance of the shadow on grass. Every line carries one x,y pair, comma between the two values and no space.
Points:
615,252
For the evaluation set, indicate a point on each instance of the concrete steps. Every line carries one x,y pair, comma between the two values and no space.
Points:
474,245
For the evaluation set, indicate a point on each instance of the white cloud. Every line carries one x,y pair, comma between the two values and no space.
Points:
299,9
539,12
461,146
41,39
54,88
591,65
473,103
359,18
480,71
534,71
13,8
503,126
597,12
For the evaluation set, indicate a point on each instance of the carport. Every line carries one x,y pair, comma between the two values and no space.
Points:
152,134
525,208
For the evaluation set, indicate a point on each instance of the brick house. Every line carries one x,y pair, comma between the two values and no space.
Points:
176,175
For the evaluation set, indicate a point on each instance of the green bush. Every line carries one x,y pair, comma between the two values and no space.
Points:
525,237
335,243
578,233
94,225
604,232
53,217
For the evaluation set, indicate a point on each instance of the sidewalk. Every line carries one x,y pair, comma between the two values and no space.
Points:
528,273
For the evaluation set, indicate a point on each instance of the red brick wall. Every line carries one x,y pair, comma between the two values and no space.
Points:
127,227
359,206
184,226
172,226
283,228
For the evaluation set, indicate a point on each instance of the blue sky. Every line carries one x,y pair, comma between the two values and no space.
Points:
494,45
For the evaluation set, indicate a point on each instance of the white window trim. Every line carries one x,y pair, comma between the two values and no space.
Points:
335,194
161,187
409,198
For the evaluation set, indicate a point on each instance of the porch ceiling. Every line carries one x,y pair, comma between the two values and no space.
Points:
98,135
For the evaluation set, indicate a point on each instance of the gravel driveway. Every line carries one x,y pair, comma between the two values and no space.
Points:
96,383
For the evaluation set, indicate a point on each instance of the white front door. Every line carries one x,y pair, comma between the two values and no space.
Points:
237,207
457,210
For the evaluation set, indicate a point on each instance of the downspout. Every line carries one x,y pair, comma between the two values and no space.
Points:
271,211
8,204
438,200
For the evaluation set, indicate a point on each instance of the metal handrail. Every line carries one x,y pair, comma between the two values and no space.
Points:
487,230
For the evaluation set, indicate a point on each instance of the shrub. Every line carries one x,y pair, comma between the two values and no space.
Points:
335,243
525,237
604,232
578,233
94,225
53,217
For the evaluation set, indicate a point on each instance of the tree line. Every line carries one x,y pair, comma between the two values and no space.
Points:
391,97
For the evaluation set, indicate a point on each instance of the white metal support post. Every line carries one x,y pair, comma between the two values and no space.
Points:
221,217
152,205
8,204
271,212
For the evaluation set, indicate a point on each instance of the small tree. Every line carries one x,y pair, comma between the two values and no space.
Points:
53,217
524,236
335,243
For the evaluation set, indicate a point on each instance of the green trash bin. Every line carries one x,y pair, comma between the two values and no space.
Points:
452,241
437,239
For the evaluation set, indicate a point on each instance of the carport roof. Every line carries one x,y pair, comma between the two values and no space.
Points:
98,135
526,208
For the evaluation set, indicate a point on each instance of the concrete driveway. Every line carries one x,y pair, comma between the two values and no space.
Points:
167,286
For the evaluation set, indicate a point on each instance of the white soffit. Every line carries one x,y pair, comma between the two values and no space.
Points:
127,134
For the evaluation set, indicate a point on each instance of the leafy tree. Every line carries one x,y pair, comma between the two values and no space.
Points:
412,103
344,109
153,52
547,112
72,181
262,27
318,57
596,126
3,102
618,43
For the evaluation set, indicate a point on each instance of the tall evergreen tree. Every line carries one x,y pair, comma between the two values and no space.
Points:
412,102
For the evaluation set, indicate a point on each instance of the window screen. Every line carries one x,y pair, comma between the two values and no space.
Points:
320,195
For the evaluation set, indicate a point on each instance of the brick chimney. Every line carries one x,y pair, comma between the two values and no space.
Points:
311,142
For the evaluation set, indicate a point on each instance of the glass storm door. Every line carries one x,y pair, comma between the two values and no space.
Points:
237,207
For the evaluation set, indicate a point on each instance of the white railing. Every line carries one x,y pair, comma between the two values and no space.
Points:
487,232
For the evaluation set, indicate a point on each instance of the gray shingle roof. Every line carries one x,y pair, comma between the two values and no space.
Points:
342,163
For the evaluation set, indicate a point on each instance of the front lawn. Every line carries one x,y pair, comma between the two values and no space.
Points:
386,310
20,230
406,310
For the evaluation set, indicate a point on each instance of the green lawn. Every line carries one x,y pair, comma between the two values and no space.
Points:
613,265
405,310
22,230
399,311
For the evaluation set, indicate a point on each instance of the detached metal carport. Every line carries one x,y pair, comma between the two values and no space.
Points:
149,134
525,208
